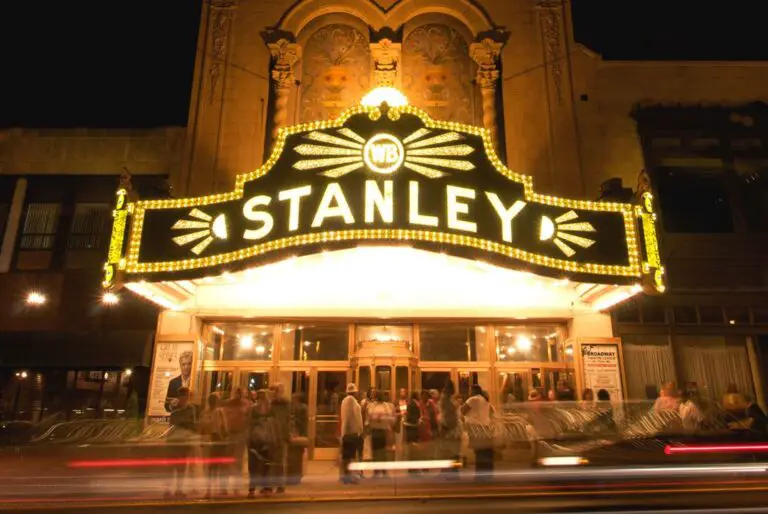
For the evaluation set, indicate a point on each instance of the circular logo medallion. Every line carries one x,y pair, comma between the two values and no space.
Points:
383,153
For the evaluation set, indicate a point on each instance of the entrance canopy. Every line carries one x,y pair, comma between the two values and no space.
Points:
383,282
346,204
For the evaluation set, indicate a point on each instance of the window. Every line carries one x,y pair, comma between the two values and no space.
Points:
4,210
315,342
531,343
239,342
754,195
89,226
40,226
464,343
693,201
685,314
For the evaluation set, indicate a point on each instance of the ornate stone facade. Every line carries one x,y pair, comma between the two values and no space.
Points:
284,56
336,72
551,21
486,54
437,72
222,12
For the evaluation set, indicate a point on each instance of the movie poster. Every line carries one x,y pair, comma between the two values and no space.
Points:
172,370
602,370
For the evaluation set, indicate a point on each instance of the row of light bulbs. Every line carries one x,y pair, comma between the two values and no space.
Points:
39,298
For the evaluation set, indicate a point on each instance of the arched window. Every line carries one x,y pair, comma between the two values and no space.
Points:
336,66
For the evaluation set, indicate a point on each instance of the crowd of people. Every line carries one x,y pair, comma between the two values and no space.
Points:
426,426
262,427
422,430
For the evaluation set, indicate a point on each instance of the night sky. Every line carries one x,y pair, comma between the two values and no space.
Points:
129,63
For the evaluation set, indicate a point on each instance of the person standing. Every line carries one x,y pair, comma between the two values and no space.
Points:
213,429
411,422
395,425
281,410
261,445
450,428
427,427
299,439
477,413
351,432
236,411
380,425
183,421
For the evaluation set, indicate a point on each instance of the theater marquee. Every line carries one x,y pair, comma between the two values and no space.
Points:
380,175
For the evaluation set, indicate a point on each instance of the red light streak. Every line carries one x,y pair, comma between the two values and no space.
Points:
717,448
143,463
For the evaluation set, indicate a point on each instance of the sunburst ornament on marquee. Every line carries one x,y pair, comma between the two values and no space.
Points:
203,228
559,231
347,151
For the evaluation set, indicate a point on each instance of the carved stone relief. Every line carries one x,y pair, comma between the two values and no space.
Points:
437,73
221,19
336,72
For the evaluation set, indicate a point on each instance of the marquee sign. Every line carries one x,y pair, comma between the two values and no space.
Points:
384,175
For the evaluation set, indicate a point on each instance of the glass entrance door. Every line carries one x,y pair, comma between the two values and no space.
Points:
328,390
217,381
251,381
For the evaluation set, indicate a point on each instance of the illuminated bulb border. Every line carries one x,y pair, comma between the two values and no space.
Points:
131,263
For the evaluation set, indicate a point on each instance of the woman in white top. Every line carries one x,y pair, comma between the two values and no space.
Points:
477,413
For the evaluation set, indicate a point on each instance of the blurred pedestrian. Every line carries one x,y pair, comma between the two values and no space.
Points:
213,429
261,444
477,414
299,439
181,440
281,410
450,429
411,422
380,426
236,411
351,433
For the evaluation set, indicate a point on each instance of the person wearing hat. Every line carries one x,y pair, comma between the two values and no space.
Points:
351,432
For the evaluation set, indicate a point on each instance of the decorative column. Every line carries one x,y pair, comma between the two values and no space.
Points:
222,12
550,17
486,54
386,59
284,56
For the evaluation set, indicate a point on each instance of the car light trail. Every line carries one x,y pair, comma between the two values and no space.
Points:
401,465
717,448
142,463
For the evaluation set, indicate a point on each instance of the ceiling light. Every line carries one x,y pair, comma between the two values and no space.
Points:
524,343
246,341
128,372
36,298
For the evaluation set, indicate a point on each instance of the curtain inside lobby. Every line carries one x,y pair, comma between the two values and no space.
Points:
713,363
648,363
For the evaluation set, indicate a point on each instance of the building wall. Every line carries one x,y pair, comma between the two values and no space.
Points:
90,151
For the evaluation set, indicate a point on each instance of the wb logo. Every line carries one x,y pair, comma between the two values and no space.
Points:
383,153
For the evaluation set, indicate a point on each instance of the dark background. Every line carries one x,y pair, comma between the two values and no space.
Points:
128,63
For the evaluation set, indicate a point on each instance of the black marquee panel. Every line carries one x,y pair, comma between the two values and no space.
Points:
381,175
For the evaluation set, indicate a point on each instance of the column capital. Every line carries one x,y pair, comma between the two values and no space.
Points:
386,57
548,4
486,54
285,54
